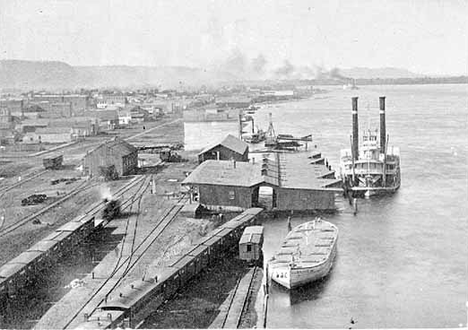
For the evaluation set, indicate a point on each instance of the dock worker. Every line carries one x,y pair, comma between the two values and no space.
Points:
289,223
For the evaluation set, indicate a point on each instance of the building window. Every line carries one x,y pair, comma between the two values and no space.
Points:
249,248
232,194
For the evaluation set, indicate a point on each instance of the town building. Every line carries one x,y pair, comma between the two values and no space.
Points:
234,102
229,148
30,125
106,100
124,117
84,128
138,115
115,154
6,120
108,119
14,105
49,135
217,121
79,103
32,111
8,136
75,102
55,109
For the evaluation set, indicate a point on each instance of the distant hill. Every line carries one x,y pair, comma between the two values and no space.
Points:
382,73
30,75
27,75
15,74
128,76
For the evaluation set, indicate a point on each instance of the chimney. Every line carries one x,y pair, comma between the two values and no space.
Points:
383,133
355,147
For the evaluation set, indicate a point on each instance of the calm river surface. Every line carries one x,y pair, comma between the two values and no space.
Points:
403,260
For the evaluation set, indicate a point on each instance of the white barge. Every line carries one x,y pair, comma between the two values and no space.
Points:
306,255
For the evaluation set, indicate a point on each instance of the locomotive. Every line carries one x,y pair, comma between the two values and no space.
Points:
111,210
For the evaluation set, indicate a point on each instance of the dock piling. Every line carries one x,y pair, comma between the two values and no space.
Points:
265,311
355,205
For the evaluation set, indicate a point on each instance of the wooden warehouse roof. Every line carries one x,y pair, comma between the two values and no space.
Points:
229,142
118,146
293,172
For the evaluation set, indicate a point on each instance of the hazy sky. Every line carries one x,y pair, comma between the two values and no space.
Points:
424,36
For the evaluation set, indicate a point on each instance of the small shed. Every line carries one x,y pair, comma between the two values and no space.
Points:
230,148
250,244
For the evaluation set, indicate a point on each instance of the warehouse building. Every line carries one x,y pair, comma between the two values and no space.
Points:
277,182
229,148
112,158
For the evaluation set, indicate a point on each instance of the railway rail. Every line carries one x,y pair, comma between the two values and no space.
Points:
126,264
19,183
136,300
8,229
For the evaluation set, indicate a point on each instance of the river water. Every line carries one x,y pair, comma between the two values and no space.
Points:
403,259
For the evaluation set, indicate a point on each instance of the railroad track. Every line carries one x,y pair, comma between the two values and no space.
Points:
138,196
19,183
90,212
119,273
8,229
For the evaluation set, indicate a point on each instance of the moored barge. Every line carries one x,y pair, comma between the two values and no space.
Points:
306,255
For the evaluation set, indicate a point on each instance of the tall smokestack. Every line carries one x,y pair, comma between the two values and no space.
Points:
383,131
355,129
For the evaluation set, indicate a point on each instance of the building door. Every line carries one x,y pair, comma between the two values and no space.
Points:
266,197
255,197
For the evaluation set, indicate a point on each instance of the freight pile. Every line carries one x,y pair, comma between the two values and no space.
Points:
34,199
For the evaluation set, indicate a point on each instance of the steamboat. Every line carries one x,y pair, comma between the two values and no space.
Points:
372,167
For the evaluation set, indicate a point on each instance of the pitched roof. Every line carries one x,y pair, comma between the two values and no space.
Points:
294,173
33,108
230,142
118,146
223,172
53,130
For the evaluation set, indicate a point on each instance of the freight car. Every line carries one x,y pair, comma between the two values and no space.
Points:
53,162
111,210
17,274
135,301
